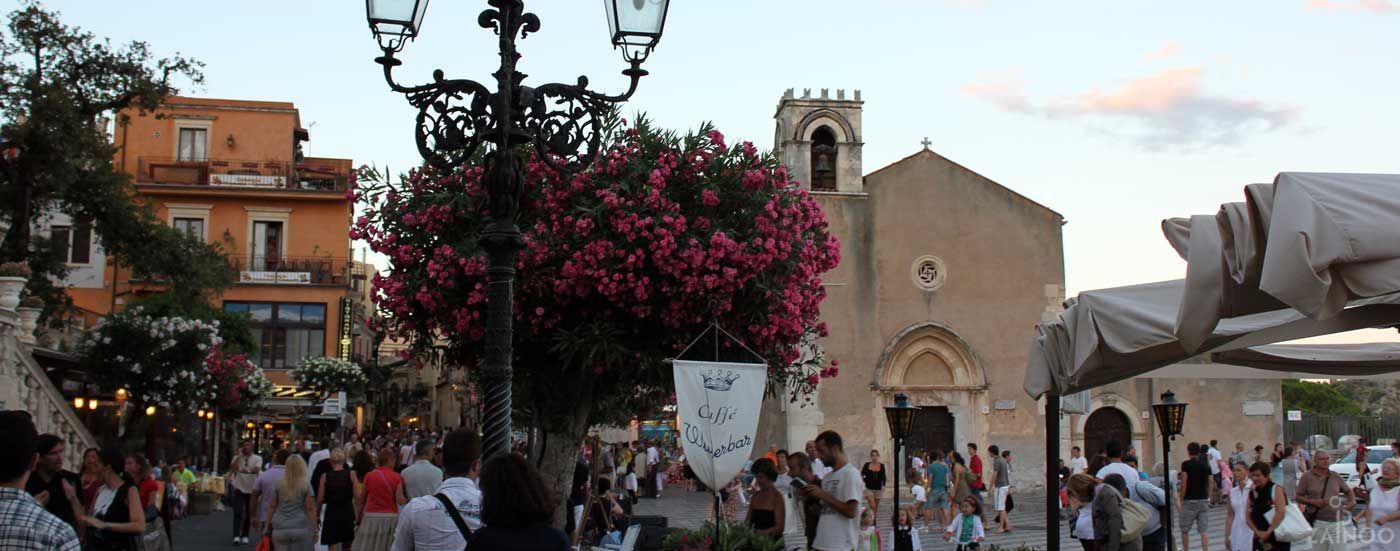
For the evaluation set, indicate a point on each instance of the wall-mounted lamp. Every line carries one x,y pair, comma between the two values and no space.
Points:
230,141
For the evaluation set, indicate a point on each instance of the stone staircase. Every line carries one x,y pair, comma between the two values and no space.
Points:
25,386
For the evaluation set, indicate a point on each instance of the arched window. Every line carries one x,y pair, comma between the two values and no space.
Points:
823,161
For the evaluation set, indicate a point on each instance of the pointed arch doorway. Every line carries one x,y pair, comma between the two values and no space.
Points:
942,376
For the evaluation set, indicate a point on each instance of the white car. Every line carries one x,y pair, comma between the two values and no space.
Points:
1346,466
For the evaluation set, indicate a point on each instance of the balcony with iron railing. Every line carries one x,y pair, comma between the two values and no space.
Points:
323,175
291,270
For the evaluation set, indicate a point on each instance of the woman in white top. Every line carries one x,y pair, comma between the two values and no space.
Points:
1238,536
1384,509
1080,491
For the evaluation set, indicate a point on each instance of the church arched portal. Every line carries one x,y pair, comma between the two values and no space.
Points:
942,376
1106,424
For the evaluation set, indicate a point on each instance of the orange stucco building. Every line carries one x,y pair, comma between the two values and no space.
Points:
232,173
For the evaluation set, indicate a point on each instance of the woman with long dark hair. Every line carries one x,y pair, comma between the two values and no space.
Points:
962,483
138,470
91,478
116,519
873,474
515,508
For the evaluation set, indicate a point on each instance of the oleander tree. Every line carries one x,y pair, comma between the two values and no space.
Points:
326,375
623,265
174,363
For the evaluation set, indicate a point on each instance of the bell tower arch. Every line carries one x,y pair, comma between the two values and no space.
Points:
818,139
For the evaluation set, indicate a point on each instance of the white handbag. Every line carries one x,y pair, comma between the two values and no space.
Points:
1135,517
1294,527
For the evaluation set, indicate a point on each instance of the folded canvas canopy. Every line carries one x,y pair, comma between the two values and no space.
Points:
1309,242
1334,360
1311,254
1108,335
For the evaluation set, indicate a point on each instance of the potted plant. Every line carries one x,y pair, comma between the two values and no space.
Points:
13,277
29,309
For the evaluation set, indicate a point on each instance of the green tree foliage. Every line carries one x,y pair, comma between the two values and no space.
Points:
1320,398
58,84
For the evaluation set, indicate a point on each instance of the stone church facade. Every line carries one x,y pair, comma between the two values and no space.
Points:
944,274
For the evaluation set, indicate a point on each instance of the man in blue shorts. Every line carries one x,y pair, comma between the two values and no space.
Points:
937,502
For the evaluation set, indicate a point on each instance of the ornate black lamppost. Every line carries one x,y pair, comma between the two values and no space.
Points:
901,418
563,122
1170,415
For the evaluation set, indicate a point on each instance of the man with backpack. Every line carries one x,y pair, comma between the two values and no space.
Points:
1153,538
446,519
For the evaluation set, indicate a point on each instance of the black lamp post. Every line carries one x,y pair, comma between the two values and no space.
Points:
563,122
901,418
1170,415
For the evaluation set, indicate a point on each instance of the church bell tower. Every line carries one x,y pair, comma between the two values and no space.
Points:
818,139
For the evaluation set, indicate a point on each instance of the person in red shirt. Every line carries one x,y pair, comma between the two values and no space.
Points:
975,465
139,469
377,505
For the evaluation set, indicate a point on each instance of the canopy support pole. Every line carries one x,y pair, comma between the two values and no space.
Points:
1052,473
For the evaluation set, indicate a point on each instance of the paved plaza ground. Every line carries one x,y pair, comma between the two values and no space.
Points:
691,509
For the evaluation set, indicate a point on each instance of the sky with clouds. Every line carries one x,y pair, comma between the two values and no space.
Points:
1114,114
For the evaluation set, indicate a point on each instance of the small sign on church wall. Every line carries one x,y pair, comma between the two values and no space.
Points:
1258,407
1003,405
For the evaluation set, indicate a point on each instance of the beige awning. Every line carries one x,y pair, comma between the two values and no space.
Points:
1109,335
1310,242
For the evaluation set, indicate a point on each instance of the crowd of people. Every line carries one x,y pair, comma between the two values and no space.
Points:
1114,505
405,493
115,502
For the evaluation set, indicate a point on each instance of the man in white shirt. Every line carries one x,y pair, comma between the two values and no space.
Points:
1077,462
243,476
840,496
406,452
422,477
317,457
425,523
1214,455
818,468
653,472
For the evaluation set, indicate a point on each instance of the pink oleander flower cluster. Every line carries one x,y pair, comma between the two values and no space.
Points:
240,384
662,236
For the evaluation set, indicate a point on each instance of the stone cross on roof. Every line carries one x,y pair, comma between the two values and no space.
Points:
926,142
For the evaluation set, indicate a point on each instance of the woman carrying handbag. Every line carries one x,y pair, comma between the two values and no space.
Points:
1268,509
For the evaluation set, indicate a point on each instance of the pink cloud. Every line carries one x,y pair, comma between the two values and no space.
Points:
1373,6
1153,93
1167,109
1167,50
1005,91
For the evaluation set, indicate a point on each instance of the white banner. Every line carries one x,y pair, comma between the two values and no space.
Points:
717,406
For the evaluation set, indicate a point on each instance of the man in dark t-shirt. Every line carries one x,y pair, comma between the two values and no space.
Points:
1193,495
47,486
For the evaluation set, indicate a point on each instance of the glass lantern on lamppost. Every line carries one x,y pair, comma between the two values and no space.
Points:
563,121
1171,415
901,418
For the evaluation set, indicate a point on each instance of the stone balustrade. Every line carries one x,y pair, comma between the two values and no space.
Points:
25,386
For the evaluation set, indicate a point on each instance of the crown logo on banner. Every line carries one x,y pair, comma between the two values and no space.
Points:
721,380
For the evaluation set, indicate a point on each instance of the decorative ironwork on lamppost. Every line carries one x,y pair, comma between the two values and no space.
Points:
1171,415
901,418
563,122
